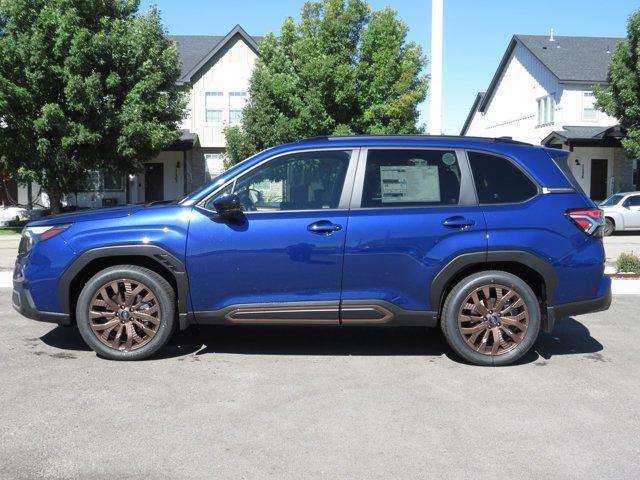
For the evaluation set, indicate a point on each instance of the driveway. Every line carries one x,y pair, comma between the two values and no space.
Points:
311,403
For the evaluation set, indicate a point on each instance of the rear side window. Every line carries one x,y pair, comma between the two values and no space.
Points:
562,161
498,180
400,178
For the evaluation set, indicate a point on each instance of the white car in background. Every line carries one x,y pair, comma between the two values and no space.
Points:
621,212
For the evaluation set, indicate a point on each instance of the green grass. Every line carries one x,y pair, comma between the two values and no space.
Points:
10,231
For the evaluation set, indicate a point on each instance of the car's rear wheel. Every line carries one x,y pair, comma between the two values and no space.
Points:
491,318
609,227
126,312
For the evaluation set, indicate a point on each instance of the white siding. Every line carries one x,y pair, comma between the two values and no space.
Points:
229,71
512,111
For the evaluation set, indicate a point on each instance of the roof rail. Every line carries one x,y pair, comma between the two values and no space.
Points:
416,137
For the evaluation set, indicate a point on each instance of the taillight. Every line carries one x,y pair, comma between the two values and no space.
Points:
589,220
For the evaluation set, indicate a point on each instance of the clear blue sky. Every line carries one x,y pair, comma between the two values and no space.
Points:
476,31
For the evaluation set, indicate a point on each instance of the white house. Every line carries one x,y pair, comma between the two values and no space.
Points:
216,71
542,93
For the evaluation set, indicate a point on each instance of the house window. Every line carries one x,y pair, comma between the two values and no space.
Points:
213,102
238,94
546,108
101,182
589,112
214,163
235,117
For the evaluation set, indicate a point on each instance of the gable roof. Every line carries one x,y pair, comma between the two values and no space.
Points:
196,50
570,59
472,112
573,59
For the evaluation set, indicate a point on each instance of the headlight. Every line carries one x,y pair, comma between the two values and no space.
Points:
33,235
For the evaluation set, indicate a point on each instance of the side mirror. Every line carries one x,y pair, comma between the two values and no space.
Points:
626,205
228,206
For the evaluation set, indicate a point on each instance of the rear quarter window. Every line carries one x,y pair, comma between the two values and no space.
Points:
498,180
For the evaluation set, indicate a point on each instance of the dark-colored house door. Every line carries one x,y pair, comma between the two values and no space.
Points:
599,178
153,182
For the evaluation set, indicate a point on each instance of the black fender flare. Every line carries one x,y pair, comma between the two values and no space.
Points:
461,262
158,254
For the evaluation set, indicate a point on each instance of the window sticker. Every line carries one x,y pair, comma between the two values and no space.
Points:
413,183
448,159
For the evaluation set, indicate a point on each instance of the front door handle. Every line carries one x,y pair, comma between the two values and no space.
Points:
324,227
458,222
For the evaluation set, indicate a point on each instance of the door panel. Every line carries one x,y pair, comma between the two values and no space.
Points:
153,182
393,255
413,211
282,260
271,258
599,168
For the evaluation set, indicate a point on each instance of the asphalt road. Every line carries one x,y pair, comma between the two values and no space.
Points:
311,403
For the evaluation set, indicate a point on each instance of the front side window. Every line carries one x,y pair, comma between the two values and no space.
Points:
299,181
633,201
498,180
397,178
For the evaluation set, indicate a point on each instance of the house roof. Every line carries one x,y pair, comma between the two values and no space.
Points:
573,59
196,50
571,134
472,112
570,59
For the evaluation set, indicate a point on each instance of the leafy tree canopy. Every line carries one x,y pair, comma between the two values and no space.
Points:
84,85
342,69
621,98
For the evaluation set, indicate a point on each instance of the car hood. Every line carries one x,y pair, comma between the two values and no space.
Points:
87,215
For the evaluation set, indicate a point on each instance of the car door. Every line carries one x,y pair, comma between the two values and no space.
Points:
631,211
282,261
413,210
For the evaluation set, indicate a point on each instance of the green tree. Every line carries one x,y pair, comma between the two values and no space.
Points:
342,69
84,85
621,98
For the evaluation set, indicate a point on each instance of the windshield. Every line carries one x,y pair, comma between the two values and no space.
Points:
611,201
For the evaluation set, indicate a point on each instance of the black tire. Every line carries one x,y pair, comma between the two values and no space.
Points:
457,298
609,227
156,284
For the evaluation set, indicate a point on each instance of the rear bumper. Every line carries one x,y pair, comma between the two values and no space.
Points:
598,304
23,303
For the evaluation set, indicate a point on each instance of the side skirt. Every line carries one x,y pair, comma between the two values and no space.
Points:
352,312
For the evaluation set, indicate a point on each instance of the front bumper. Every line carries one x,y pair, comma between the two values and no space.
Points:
598,304
23,303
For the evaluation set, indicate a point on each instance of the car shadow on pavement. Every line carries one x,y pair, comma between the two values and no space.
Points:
568,338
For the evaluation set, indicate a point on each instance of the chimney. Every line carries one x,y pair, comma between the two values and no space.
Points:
551,39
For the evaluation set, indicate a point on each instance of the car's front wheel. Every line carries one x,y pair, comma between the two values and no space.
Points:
609,227
491,318
126,312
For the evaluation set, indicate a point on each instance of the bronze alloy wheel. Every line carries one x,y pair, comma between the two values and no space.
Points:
493,319
124,314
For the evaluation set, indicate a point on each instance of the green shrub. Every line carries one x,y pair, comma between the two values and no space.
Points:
628,262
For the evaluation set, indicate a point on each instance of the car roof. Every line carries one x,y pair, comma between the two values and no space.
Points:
545,173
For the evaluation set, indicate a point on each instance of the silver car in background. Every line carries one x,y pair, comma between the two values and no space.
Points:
621,212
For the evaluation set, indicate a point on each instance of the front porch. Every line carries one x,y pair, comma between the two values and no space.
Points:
597,159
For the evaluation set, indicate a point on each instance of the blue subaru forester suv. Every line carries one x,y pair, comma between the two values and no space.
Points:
490,239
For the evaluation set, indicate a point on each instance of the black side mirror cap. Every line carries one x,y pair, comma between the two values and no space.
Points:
228,206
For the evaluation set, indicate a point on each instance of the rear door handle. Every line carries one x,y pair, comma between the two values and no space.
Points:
458,222
324,227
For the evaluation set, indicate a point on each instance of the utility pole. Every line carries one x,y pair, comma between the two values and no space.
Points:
435,84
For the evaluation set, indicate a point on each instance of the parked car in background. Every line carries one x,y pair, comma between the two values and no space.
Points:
621,212
490,239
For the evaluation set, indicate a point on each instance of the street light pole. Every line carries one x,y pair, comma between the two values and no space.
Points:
435,84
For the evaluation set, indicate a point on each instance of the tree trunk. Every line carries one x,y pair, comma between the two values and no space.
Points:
54,200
